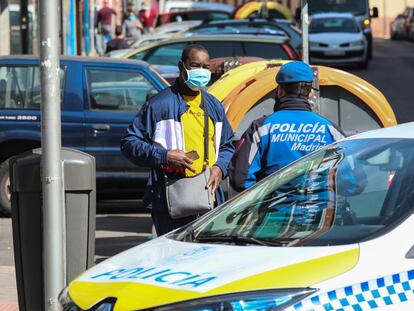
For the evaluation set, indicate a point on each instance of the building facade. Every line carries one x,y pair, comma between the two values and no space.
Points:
19,22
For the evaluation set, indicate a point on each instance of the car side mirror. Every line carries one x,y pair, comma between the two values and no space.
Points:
410,253
374,12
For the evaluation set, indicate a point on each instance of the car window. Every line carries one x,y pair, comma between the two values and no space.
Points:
166,54
218,16
265,50
118,90
140,55
222,48
20,87
349,192
245,28
202,15
323,25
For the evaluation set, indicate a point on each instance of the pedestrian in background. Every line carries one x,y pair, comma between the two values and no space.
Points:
148,17
132,25
104,21
119,42
291,132
183,134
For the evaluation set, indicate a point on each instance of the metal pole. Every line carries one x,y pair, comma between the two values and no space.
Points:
86,27
385,19
305,31
52,179
24,26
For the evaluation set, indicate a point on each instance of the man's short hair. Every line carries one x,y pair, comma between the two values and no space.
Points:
186,52
300,88
118,30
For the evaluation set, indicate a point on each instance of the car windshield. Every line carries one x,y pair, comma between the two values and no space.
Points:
246,28
322,25
356,7
343,194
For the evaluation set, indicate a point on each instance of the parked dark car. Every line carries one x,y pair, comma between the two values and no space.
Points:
192,15
100,97
164,55
400,26
252,26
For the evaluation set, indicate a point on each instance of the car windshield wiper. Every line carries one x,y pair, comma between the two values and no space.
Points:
238,240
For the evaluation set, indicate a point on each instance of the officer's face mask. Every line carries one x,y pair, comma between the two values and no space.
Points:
197,78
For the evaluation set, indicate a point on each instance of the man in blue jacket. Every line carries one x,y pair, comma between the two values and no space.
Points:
169,126
292,131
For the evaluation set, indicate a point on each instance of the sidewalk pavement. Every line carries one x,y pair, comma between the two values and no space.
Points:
8,291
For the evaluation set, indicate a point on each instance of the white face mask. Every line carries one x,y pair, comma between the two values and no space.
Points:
197,78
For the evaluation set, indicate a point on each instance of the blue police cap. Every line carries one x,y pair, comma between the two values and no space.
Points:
294,72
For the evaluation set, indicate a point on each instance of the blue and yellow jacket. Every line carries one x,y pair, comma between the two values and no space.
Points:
157,128
274,141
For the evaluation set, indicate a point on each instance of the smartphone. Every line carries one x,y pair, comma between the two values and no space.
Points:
193,155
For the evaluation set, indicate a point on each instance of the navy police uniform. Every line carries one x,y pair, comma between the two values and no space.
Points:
291,132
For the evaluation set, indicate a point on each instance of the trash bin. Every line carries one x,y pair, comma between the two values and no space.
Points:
80,215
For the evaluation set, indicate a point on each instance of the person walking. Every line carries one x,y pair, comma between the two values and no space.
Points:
104,21
182,134
291,132
148,17
132,25
118,42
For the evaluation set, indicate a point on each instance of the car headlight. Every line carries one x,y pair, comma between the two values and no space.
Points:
67,304
313,44
245,301
357,43
365,23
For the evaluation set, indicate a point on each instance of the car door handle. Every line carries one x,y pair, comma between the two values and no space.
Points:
101,127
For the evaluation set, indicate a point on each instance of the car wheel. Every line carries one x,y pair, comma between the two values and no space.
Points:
5,191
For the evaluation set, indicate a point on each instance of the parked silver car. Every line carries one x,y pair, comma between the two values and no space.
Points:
400,26
337,38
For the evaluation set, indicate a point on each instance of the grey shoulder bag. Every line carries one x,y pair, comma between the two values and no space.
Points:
188,196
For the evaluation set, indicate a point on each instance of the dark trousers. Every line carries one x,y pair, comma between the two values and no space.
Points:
163,223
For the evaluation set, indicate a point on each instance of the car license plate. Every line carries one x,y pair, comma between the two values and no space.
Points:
334,53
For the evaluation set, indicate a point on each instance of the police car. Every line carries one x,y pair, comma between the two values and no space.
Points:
331,231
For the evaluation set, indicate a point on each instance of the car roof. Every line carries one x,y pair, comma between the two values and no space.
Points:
333,15
195,10
405,130
196,37
241,21
82,59
172,5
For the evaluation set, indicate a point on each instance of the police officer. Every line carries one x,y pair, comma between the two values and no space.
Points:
291,132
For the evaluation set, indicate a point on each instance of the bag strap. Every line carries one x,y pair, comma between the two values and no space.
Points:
206,125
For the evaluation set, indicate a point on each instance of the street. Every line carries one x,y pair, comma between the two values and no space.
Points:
391,71
121,225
